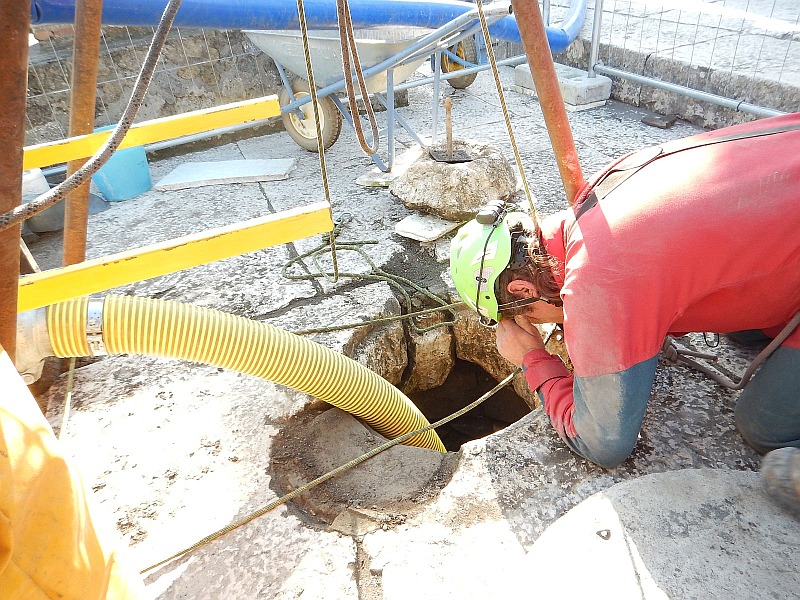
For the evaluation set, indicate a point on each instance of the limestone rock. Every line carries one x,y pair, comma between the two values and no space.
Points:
476,344
456,191
384,351
628,537
431,355
555,344
380,348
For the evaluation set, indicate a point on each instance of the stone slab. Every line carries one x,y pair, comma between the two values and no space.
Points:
695,533
577,88
424,228
377,178
198,174
381,179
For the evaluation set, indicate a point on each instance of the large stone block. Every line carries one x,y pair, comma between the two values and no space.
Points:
384,351
456,191
476,344
390,481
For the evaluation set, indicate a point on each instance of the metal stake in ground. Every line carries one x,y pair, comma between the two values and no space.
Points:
448,154
448,119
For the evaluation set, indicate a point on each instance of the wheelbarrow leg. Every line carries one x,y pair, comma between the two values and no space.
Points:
390,117
285,80
402,122
349,118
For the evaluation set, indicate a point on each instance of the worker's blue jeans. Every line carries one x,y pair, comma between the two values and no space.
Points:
768,411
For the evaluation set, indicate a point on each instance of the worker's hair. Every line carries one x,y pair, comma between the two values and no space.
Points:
538,270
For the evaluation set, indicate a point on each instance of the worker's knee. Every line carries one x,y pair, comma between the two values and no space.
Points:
605,451
611,455
608,428
768,410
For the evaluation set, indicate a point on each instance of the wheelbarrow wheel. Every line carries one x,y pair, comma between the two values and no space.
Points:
303,130
466,50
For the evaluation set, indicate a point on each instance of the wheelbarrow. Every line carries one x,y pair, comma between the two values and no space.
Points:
392,54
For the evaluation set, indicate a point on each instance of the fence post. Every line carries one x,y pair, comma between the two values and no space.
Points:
595,47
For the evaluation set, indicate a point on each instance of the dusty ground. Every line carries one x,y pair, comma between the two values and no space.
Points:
174,451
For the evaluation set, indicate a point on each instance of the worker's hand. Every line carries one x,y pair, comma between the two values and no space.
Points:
516,337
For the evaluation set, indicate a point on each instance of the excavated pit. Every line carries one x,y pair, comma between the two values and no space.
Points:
399,480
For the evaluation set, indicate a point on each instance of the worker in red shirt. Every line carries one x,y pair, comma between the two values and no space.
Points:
699,234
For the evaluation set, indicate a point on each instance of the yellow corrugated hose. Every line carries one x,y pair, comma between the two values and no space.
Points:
172,329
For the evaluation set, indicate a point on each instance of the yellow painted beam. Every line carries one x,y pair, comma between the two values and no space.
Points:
49,287
157,130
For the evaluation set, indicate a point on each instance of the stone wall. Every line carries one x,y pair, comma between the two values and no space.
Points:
199,68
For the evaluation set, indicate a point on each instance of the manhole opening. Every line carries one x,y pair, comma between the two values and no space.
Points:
466,382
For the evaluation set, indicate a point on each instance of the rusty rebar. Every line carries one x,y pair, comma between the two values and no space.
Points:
14,29
540,60
85,56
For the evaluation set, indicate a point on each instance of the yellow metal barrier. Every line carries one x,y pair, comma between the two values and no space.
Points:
157,130
56,285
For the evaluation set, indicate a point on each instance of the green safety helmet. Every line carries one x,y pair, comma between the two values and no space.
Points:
479,253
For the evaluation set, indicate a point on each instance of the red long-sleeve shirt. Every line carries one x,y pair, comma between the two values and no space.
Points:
701,239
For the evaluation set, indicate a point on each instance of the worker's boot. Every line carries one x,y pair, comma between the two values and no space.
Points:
780,471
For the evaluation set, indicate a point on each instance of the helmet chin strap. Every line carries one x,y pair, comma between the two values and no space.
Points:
525,302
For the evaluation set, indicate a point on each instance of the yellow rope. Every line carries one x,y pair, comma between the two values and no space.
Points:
330,474
495,72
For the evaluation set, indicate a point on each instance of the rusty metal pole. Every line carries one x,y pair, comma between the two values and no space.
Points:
534,40
14,29
85,56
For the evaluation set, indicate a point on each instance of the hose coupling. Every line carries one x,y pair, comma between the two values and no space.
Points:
94,327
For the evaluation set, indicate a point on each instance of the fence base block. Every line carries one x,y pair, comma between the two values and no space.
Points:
580,92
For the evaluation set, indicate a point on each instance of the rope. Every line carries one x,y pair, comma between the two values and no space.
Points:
488,43
397,282
67,398
330,474
301,11
413,315
58,193
350,50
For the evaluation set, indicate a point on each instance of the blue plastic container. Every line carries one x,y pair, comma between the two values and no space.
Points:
125,175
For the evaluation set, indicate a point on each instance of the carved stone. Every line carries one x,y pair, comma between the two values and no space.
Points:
431,355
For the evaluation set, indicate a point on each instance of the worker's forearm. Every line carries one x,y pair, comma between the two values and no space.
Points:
546,374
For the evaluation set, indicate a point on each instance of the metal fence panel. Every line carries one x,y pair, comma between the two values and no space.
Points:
744,51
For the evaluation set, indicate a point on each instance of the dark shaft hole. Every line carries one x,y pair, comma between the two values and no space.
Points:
466,383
